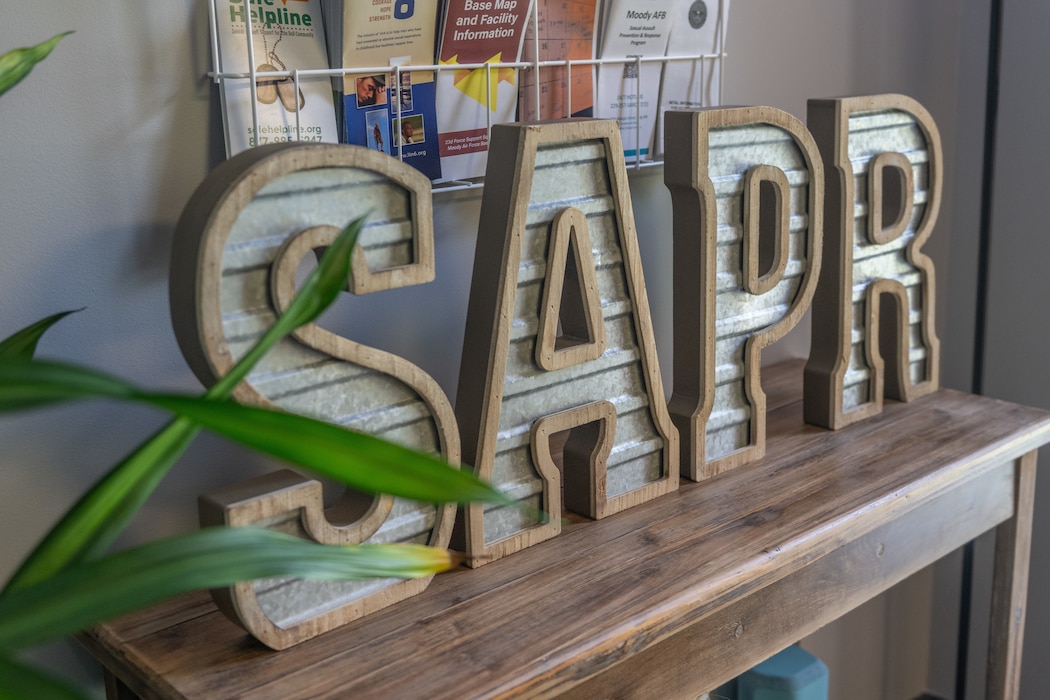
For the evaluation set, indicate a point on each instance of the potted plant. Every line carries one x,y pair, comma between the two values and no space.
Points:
71,580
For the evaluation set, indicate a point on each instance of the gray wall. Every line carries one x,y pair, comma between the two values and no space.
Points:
1018,329
107,139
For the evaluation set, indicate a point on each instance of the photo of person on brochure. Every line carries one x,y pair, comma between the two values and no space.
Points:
377,130
409,130
405,91
371,91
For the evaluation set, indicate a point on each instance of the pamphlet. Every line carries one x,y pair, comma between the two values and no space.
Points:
470,99
698,28
390,108
284,38
565,30
629,91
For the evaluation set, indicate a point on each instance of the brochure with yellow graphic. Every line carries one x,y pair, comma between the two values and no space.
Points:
476,34
287,35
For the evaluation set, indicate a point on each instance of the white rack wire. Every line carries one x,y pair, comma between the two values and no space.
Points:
637,162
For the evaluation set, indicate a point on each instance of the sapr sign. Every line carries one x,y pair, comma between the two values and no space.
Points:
560,402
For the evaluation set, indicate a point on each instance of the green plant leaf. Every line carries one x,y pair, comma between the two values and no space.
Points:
356,459
22,345
318,292
91,525
18,681
96,520
16,64
359,460
82,595
26,384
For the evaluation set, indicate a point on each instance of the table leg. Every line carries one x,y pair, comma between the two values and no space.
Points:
115,688
1010,587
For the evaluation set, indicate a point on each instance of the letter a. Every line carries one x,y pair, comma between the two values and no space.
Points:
746,189
559,384
873,332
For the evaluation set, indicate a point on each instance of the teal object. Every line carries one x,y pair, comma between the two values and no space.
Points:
793,674
724,692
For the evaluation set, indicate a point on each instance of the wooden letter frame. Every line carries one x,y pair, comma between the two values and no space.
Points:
715,288
556,213
873,315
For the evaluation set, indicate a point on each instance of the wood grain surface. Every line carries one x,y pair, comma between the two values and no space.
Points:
824,521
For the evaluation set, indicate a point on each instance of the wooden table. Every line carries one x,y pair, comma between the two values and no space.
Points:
668,599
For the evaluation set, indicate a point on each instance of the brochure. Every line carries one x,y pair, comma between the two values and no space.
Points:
470,99
284,38
565,30
629,92
698,28
392,111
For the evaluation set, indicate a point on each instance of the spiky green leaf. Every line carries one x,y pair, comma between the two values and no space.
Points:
19,681
318,292
17,63
26,384
22,345
359,460
83,595
100,515
94,522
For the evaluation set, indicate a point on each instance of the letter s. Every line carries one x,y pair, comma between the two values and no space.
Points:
237,248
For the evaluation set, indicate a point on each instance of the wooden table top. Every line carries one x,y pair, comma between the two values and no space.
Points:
542,620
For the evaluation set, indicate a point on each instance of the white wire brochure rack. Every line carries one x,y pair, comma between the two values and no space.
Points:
636,161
